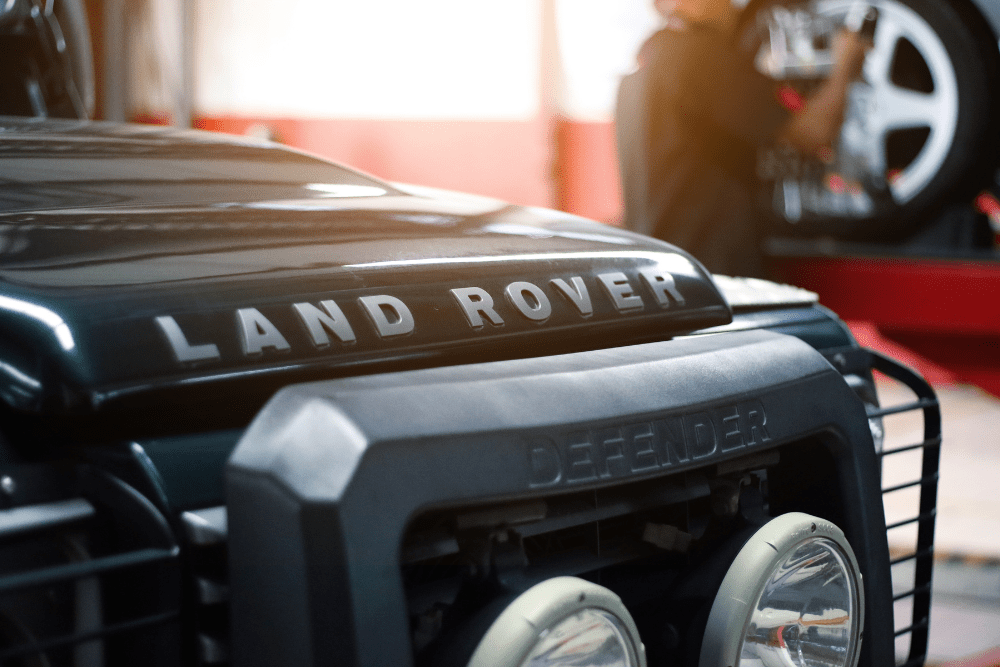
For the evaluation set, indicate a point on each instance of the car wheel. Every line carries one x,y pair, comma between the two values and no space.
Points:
916,130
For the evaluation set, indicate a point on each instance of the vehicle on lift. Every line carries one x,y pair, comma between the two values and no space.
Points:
919,132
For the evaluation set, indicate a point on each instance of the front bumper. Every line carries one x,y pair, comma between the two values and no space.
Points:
323,485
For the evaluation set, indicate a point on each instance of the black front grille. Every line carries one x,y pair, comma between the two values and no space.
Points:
605,535
647,541
207,565
92,579
913,622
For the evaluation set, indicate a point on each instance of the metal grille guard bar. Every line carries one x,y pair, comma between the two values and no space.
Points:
923,554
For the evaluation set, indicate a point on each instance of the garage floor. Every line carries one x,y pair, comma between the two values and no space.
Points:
965,613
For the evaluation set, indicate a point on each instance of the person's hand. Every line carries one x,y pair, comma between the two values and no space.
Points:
849,50
815,128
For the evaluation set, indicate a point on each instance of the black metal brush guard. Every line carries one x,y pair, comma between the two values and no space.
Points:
923,555
154,554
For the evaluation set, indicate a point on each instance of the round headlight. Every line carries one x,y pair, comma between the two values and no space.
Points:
792,598
562,621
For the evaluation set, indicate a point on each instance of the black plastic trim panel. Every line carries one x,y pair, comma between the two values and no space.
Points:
322,485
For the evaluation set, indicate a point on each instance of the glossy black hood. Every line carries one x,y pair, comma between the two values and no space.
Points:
135,258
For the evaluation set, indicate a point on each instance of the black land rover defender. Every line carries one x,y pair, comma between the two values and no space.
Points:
259,409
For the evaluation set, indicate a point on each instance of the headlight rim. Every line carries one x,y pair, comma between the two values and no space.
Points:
737,597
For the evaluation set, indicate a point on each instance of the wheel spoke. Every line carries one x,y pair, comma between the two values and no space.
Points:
878,62
896,108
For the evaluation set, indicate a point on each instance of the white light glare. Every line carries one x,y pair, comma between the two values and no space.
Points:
43,315
345,190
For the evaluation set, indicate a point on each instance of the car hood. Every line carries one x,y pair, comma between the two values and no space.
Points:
135,259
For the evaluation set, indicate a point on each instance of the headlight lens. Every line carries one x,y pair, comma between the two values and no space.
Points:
588,637
562,621
792,598
804,614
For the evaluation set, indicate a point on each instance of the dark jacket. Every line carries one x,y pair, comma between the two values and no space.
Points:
690,122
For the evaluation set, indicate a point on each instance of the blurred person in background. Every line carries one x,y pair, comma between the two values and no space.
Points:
691,120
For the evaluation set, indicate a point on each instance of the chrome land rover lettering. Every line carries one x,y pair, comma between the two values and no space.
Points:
326,326
620,291
257,333
596,454
389,315
662,284
576,293
318,323
185,352
529,300
476,304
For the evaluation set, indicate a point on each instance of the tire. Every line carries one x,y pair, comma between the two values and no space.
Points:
917,133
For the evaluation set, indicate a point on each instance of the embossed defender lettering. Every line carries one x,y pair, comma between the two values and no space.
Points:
595,454
326,325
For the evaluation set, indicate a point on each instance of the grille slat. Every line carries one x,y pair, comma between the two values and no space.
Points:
920,625
919,554
79,570
912,591
906,522
906,407
931,442
207,532
207,526
20,520
908,485
79,638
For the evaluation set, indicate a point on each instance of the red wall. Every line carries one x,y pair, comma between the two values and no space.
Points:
586,173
